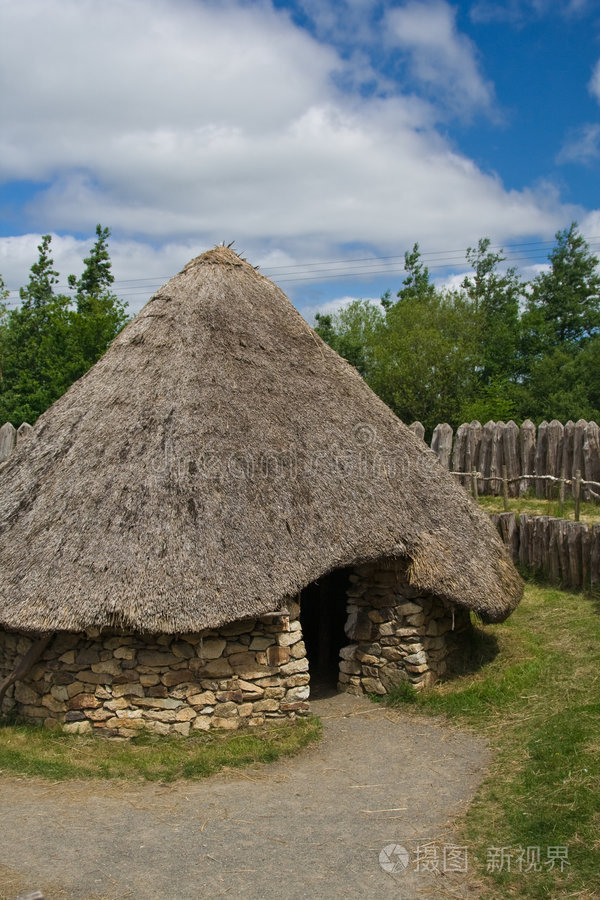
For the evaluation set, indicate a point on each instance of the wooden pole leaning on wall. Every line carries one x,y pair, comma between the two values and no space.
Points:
577,493
505,487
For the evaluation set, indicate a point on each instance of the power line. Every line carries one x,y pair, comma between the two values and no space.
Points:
359,267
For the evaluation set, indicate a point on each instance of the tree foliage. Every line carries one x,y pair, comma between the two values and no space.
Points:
51,338
496,348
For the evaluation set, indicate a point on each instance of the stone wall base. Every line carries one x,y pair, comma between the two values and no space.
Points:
117,683
398,633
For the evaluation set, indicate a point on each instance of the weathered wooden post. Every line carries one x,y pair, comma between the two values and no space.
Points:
561,493
577,493
505,487
418,430
459,453
540,460
527,450
474,483
8,440
441,443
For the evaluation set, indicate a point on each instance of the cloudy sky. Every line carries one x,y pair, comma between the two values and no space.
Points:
324,137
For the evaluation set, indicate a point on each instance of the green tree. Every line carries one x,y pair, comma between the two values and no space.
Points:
35,344
495,297
46,344
99,315
352,332
424,354
563,308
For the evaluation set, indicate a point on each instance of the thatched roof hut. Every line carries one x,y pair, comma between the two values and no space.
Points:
215,462
217,459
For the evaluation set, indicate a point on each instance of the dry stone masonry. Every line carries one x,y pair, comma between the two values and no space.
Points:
399,634
245,673
117,683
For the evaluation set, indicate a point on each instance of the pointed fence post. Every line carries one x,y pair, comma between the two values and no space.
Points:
505,487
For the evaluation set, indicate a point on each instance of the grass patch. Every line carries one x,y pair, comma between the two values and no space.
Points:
537,702
33,750
589,512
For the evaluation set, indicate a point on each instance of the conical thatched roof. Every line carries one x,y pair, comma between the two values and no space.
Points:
219,457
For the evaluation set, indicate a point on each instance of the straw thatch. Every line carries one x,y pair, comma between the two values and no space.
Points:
217,459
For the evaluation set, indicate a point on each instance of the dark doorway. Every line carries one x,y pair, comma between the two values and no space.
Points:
323,616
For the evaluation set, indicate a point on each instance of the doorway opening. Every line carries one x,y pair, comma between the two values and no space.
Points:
323,614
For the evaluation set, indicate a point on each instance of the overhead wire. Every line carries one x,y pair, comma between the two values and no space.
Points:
533,252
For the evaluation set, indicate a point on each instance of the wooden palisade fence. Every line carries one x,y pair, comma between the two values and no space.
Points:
539,459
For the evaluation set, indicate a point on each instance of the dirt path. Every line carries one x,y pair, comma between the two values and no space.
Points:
312,825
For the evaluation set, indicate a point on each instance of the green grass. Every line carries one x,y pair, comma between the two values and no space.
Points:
537,701
589,512
33,750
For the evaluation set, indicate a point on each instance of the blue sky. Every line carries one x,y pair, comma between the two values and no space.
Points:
324,138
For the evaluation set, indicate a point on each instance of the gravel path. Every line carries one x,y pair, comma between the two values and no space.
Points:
314,824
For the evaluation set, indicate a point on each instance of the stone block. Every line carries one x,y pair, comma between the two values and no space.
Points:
269,705
295,666
261,642
230,724
408,609
156,659
277,655
107,667
297,693
226,709
274,692
77,727
53,704
87,657
177,676
206,698
89,677
124,653
25,694
288,638
350,667
373,686
134,689
182,728
201,723
214,668
84,701
211,648
158,702
182,649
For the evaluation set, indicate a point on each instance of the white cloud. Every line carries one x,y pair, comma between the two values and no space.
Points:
180,124
442,58
594,84
582,146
